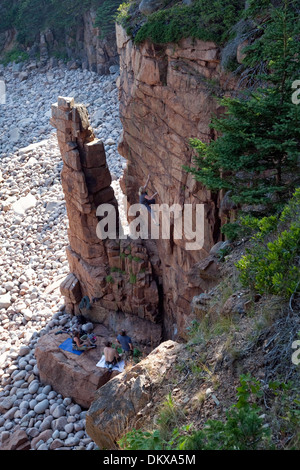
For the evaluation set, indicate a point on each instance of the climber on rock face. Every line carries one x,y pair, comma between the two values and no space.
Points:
146,200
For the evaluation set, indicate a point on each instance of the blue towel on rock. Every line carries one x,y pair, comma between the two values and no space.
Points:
67,346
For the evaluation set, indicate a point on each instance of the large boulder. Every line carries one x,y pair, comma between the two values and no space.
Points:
74,376
124,399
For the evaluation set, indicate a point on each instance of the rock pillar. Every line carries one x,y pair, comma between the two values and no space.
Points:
114,274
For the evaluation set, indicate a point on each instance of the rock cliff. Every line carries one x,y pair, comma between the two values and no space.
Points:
167,96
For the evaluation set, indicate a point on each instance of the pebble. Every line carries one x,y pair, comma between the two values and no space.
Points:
33,240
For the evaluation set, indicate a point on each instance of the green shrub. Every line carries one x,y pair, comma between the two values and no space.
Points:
272,264
15,55
117,270
109,279
243,428
132,278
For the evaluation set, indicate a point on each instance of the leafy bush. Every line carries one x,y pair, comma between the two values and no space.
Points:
272,264
15,55
109,279
132,278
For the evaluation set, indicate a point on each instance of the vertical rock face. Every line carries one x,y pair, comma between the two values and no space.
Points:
115,274
166,98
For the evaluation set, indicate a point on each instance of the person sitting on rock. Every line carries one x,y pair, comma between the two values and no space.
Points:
146,200
126,344
111,355
80,343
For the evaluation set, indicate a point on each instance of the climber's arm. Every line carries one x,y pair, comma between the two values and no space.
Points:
145,186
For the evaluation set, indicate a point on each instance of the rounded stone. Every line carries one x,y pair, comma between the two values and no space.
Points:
59,411
41,406
75,409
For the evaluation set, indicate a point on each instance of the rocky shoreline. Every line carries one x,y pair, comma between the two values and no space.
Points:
33,237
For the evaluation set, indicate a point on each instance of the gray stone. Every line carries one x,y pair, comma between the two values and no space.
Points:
23,76
32,404
75,409
24,204
69,428
10,413
14,135
43,446
114,69
59,423
7,403
46,424
5,300
20,375
17,67
59,411
24,350
47,389
33,387
41,406
71,441
41,397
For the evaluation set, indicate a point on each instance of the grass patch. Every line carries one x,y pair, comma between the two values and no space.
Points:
109,279
132,278
15,55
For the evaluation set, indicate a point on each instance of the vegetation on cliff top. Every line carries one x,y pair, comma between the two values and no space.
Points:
209,21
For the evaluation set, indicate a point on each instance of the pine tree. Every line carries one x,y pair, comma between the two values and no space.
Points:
256,156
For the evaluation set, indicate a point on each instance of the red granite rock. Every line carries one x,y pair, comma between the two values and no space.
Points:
18,440
74,376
